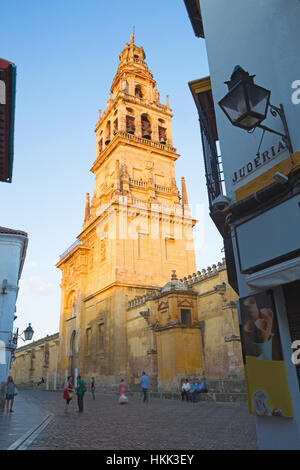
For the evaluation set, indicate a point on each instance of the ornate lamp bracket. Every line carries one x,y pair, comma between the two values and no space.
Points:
275,111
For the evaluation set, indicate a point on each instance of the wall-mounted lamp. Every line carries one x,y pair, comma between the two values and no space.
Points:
28,334
246,105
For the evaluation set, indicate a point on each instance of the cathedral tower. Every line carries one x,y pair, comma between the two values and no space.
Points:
136,228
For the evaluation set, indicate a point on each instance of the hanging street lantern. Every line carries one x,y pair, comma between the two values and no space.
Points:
246,104
28,333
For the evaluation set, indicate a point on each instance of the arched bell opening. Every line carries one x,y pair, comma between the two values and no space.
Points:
108,133
130,126
138,92
162,135
146,127
115,126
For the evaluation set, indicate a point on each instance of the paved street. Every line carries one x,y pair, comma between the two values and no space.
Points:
13,426
159,425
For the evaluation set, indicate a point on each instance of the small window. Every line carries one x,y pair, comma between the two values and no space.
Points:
186,318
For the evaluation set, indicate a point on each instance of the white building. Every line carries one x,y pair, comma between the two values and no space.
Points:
262,218
13,246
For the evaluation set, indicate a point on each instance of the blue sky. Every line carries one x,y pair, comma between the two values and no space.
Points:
67,53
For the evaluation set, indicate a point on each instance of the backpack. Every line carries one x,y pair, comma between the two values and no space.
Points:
83,387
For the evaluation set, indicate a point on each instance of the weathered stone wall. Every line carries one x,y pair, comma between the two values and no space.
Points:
124,331
36,360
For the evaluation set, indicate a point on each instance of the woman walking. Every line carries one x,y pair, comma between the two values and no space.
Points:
68,392
10,393
123,399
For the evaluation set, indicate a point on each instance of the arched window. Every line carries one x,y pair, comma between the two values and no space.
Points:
146,127
130,127
162,135
138,91
108,133
115,126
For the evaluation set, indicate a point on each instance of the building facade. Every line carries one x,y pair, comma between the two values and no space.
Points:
187,328
13,247
260,215
131,299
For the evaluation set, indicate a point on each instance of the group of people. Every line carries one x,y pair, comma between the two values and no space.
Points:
190,392
80,390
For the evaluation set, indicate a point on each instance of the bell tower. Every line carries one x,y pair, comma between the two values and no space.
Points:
136,227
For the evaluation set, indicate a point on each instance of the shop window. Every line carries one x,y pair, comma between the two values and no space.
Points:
291,294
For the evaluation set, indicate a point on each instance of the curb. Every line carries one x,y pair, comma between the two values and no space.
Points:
26,440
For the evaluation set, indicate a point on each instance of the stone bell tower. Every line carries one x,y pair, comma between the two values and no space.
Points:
136,228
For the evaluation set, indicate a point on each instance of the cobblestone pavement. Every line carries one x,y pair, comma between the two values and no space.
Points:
158,425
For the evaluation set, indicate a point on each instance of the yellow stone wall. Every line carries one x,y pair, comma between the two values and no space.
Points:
36,360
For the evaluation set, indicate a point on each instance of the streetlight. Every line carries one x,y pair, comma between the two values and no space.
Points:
28,334
246,105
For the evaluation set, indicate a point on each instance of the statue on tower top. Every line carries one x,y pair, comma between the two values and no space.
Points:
131,40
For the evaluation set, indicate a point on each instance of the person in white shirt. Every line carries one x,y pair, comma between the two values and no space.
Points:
185,389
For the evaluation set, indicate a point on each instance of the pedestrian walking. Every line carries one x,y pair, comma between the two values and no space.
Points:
10,393
80,390
123,399
68,392
145,381
93,387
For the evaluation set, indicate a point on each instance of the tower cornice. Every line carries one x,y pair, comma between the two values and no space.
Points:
123,138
